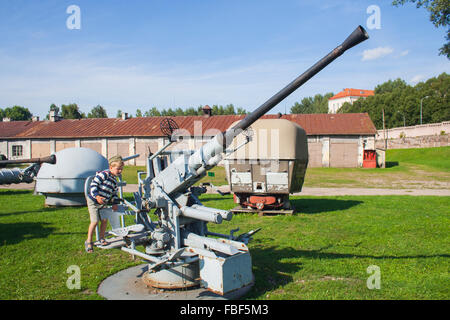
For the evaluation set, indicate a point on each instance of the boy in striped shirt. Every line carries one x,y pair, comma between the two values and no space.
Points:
102,191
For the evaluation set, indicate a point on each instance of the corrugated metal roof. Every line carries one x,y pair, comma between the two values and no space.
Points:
314,124
9,129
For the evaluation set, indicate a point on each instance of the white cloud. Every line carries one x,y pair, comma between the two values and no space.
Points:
376,53
417,78
404,53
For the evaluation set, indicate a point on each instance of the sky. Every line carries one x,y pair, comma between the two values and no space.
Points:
139,54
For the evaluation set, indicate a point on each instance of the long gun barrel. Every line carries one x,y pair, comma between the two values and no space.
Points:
358,36
50,159
180,175
17,175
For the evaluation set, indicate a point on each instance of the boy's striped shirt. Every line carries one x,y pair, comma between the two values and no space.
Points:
104,184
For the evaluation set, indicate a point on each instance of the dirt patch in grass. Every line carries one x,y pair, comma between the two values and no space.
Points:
410,176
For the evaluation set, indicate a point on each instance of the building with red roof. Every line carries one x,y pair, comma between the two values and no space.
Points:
333,139
347,95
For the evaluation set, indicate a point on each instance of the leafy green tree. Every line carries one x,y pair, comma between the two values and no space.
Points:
439,15
229,109
390,86
71,111
241,111
401,102
179,112
190,112
18,113
217,110
2,114
168,113
316,104
139,113
153,112
98,112
119,114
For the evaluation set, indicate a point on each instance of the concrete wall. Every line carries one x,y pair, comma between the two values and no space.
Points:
6,148
421,136
415,131
415,142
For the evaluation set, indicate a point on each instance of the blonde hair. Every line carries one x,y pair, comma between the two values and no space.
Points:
116,159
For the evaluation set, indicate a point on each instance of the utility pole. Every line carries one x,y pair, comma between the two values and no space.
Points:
421,108
384,132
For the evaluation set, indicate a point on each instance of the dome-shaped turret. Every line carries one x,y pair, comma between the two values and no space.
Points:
62,183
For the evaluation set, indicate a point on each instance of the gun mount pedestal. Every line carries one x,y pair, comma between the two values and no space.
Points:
129,284
181,277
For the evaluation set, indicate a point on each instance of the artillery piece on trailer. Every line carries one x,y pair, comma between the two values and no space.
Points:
269,168
180,250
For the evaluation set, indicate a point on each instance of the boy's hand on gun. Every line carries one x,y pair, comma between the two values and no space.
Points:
100,199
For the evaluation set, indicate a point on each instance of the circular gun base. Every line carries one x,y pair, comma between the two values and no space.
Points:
181,277
128,284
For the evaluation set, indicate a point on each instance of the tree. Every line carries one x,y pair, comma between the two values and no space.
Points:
316,104
153,112
138,113
229,109
179,112
168,113
190,112
98,112
401,102
390,86
18,113
439,16
71,111
241,111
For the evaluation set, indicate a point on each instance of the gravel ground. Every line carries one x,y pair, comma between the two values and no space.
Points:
306,191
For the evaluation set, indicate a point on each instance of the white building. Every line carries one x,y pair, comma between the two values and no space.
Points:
347,95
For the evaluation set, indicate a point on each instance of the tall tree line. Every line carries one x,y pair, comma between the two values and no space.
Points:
316,104
229,109
402,103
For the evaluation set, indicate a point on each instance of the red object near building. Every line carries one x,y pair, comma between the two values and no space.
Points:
370,159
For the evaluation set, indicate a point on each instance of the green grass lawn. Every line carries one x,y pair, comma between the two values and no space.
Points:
406,168
322,252
427,168
216,176
432,158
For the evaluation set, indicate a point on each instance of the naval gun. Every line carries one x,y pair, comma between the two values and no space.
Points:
26,175
179,248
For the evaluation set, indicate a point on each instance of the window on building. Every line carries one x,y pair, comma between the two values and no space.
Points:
17,151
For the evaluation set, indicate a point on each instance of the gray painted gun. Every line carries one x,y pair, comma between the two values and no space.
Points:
179,243
27,175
